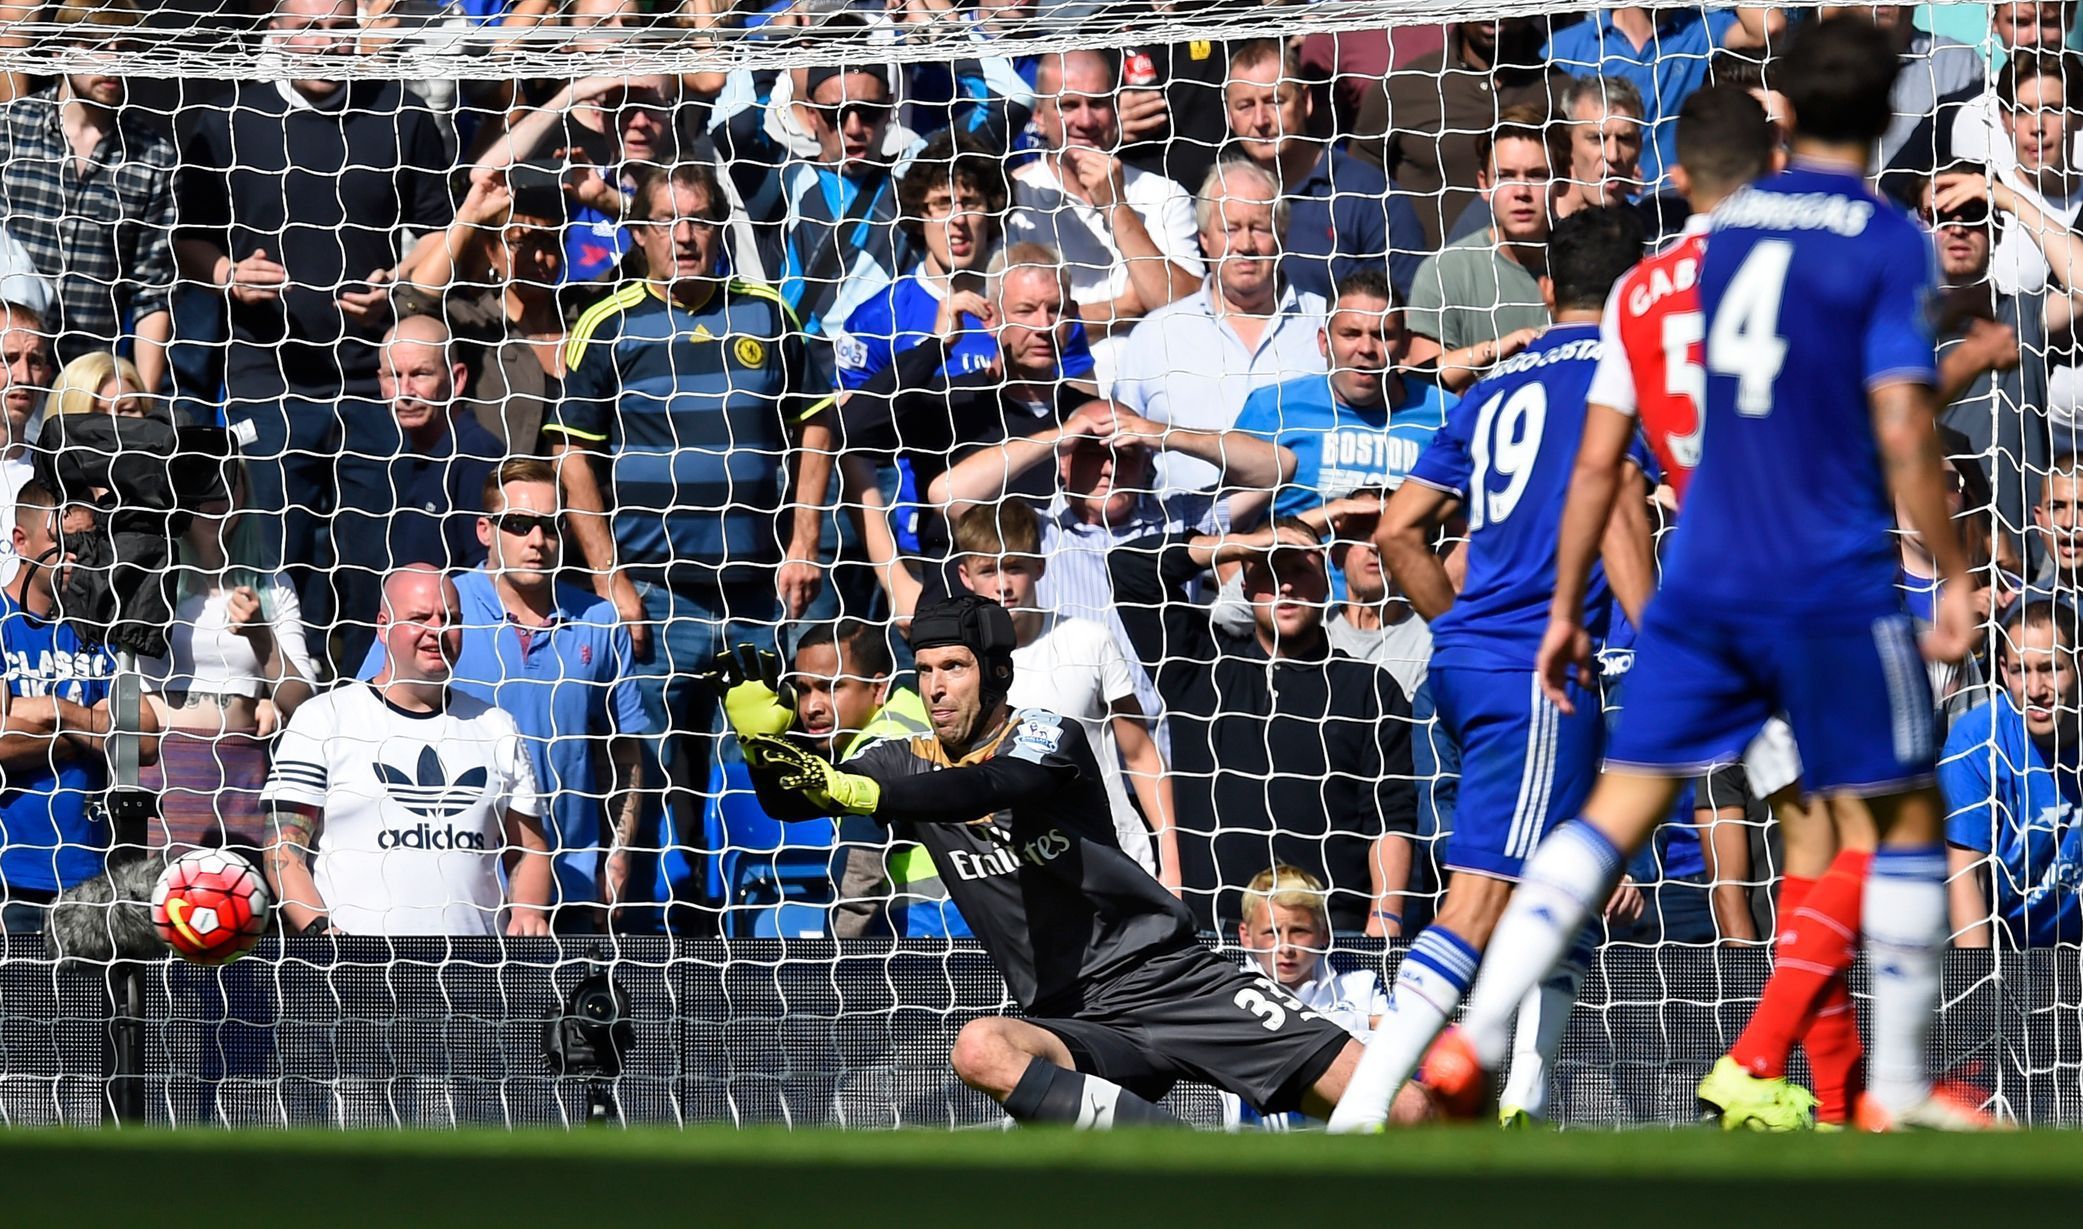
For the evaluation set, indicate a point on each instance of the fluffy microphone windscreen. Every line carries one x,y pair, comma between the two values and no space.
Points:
109,917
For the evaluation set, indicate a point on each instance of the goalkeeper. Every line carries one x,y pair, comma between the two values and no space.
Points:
840,697
1120,1000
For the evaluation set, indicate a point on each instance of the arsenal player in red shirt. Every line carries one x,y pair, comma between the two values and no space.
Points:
1654,347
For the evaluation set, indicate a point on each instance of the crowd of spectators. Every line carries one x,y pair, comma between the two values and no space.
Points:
540,394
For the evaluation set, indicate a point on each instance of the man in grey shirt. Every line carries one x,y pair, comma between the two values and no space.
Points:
1994,362
1478,300
1374,623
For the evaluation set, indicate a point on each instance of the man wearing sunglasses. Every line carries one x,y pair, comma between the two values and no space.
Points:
553,657
1976,343
826,221
2011,275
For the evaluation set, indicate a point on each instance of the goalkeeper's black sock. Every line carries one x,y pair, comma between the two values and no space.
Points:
1048,1093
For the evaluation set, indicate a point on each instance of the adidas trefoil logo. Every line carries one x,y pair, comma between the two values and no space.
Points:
433,794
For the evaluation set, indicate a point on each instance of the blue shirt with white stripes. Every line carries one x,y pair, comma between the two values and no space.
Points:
904,313
2010,801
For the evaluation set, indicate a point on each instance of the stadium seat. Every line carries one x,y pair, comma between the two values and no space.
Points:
762,860
789,920
683,876
913,918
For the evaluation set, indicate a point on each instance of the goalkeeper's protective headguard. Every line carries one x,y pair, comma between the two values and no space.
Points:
975,623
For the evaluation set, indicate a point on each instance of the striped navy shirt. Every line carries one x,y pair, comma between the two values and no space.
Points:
1076,584
693,406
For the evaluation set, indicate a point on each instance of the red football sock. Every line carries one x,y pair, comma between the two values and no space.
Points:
1834,1053
1793,892
1815,947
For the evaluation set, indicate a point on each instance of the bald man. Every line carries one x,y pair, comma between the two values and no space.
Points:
421,634
419,790
422,381
1126,235
428,510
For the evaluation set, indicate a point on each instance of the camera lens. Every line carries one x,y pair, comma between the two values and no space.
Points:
593,1000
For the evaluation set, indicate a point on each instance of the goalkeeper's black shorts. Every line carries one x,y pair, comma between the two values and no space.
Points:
1189,1015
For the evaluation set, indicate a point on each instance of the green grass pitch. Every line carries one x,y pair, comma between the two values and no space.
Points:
714,1176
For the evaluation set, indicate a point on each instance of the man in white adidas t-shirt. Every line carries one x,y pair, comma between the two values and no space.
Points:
412,793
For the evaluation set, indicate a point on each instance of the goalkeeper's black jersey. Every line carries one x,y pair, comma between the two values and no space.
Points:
1042,881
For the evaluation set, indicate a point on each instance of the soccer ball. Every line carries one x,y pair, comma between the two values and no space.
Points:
210,906
1456,1083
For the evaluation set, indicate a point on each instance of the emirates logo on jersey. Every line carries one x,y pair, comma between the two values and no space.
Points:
1040,851
429,792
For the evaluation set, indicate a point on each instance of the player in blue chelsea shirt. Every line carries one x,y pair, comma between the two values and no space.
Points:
2013,785
1819,371
1505,457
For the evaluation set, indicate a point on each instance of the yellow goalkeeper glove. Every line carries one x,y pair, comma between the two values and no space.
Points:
755,700
811,777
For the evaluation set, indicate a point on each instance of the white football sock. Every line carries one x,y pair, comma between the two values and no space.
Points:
1565,881
1905,924
1429,985
1537,1039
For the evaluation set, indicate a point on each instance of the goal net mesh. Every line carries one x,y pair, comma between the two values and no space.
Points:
813,312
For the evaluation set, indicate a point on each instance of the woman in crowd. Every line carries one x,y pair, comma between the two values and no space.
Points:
100,383
237,666
499,278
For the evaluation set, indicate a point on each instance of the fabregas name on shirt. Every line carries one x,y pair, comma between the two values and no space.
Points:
1831,211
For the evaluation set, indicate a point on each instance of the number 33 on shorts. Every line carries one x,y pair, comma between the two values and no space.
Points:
1272,1004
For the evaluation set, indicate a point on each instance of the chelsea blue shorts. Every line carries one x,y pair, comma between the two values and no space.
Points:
1525,766
1856,696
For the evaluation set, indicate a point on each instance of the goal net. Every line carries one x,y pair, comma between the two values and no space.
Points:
662,330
